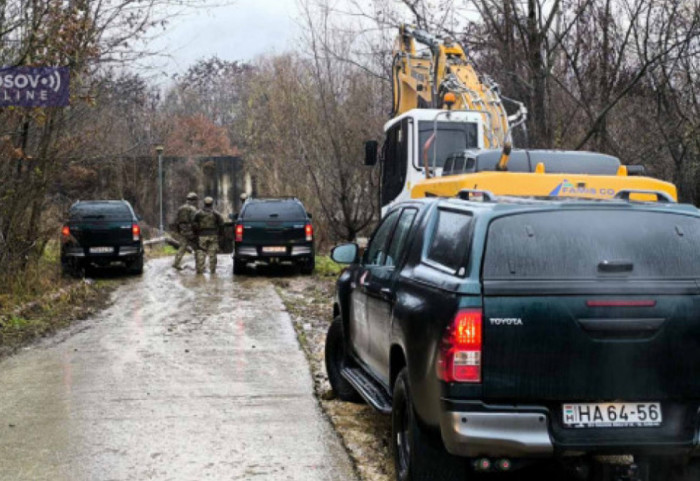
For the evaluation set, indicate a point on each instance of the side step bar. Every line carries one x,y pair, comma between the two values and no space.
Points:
368,388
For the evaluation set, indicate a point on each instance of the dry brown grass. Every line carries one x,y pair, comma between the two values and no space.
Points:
41,300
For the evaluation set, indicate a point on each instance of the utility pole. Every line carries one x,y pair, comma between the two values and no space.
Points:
159,149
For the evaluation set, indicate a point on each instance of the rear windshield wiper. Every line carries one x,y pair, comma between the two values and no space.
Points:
94,216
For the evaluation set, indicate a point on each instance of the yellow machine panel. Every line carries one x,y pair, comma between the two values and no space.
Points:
543,185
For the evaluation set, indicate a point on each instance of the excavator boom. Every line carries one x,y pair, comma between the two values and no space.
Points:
430,78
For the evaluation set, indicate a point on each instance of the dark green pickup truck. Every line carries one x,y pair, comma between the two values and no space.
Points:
101,233
511,332
274,230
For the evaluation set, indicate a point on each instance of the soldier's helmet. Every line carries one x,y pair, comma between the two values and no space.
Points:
192,196
208,201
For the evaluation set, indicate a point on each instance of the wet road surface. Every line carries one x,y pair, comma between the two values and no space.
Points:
182,378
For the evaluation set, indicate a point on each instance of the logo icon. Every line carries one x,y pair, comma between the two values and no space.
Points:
565,184
53,81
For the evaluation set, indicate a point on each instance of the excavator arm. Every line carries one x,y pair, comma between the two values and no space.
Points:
422,80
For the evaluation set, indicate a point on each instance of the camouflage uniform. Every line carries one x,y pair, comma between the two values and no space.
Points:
184,224
208,224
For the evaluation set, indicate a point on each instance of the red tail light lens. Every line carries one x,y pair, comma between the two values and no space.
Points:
309,232
239,233
460,352
65,232
136,232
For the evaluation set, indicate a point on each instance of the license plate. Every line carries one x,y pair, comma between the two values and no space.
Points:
274,250
101,250
612,415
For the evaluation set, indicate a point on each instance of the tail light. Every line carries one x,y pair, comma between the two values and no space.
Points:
309,229
239,233
136,232
65,232
460,351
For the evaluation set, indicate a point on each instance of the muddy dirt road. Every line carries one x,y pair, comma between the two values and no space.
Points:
182,378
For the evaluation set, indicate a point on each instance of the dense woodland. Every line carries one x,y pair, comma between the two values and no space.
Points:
616,76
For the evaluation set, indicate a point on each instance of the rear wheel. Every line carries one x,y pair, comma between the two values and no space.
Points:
674,470
238,266
135,267
336,360
415,458
308,266
73,267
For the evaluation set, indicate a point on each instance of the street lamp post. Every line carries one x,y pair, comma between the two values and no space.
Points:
159,149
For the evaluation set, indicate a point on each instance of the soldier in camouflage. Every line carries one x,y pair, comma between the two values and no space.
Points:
208,224
184,225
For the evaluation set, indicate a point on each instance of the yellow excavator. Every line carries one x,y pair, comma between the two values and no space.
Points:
450,132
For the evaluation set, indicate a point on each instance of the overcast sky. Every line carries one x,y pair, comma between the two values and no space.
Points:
237,32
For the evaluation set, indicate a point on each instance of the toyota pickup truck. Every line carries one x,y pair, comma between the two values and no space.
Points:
273,231
101,233
507,333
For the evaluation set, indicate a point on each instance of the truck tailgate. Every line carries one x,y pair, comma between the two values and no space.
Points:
592,306
273,232
565,349
102,233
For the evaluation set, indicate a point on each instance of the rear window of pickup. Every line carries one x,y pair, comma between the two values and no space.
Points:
100,211
593,244
274,211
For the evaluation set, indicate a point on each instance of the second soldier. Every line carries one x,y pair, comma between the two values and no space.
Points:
208,224
184,225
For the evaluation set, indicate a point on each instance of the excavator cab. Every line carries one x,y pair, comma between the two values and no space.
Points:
416,146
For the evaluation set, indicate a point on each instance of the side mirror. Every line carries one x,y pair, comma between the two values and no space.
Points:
345,253
233,216
139,217
308,214
371,148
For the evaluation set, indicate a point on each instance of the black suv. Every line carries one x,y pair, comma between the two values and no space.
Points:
101,233
273,231
503,332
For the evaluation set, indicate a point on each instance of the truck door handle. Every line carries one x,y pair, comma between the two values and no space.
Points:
621,328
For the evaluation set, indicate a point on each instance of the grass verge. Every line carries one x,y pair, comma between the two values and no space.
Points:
39,301
155,251
326,267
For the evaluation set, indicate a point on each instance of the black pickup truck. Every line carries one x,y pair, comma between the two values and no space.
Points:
507,333
271,231
101,233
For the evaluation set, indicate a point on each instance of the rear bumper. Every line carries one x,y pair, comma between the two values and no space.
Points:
495,434
256,253
474,429
120,253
